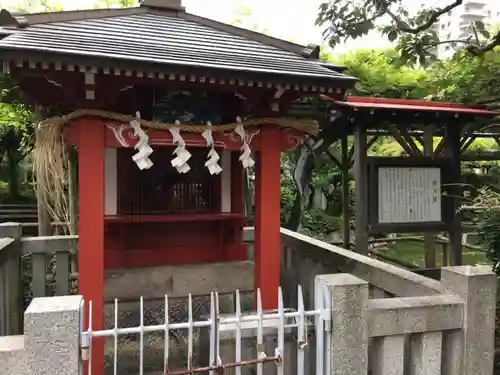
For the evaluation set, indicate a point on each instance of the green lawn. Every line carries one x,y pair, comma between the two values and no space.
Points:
413,252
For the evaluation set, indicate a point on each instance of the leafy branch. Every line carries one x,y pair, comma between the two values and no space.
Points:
415,35
487,221
422,24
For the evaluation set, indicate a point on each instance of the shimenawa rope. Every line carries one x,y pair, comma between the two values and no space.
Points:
305,126
50,155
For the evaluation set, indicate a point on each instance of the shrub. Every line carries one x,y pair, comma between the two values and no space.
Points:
487,222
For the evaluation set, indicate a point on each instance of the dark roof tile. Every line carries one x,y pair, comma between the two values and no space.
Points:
168,38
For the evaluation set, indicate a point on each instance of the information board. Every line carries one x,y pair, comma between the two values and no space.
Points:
409,195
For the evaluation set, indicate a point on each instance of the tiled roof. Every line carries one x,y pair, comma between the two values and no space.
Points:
177,40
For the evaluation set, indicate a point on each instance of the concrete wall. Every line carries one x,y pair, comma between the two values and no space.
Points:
178,281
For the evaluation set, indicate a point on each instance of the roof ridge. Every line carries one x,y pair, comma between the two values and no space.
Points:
28,19
248,34
25,20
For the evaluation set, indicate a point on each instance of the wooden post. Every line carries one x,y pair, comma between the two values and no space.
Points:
346,202
429,238
72,192
44,222
44,219
361,207
445,254
91,143
39,261
267,217
248,194
237,185
452,152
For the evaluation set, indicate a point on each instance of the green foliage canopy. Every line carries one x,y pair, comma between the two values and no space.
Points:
381,75
465,78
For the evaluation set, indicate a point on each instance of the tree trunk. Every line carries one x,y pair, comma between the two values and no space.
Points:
302,174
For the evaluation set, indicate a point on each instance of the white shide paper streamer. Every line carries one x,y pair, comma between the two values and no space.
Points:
182,155
213,157
141,158
245,157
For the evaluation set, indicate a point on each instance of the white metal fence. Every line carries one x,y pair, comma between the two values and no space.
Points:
294,324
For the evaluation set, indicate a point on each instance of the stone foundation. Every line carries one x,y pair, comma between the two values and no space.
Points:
152,284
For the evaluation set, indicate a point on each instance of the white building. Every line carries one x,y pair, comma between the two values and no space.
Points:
456,24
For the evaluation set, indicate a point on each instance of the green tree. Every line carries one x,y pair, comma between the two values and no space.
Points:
313,167
16,132
467,79
414,33
17,121
381,75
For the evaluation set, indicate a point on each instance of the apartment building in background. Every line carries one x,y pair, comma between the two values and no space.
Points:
456,24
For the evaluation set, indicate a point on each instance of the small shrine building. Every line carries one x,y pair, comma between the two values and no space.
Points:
167,111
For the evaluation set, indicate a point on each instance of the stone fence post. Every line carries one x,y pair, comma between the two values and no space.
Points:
51,341
471,350
11,295
348,295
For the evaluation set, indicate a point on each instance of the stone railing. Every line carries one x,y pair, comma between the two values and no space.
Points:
304,257
30,262
449,333
401,318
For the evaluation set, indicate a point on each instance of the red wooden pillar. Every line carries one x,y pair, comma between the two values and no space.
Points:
91,143
267,245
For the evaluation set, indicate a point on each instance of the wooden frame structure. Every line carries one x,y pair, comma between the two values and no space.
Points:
410,123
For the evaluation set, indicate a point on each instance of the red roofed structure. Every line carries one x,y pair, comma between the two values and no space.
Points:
415,125
410,105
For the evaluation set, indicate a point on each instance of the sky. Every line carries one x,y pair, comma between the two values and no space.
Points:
287,19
